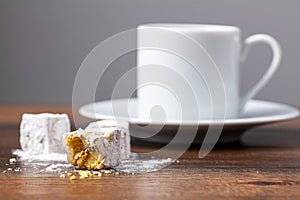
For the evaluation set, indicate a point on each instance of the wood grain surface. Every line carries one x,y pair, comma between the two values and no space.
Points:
265,165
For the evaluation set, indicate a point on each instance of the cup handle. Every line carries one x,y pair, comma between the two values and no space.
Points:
269,40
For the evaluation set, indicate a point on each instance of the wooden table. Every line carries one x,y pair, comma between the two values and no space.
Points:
266,165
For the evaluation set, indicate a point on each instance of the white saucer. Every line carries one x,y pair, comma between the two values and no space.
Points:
255,113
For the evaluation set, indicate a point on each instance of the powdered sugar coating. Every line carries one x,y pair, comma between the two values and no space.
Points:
42,133
109,139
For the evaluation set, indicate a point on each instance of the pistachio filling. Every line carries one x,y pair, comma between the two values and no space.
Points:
81,155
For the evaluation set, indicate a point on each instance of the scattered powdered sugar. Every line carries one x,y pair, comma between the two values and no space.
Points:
26,156
51,162
138,163
54,162
58,167
38,167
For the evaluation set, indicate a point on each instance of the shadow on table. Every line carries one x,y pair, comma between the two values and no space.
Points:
234,139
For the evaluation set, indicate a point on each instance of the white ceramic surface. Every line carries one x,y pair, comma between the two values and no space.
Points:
176,69
256,112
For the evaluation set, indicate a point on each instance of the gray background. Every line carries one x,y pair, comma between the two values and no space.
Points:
42,43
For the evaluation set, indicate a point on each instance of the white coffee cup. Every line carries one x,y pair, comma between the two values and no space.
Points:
180,66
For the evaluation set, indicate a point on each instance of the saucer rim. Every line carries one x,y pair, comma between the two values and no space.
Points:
292,113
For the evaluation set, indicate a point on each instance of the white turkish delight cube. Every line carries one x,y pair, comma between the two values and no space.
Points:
120,132
102,144
42,133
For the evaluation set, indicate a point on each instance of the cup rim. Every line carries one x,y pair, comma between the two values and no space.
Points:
192,27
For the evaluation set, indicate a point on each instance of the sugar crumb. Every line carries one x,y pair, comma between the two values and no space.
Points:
12,160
